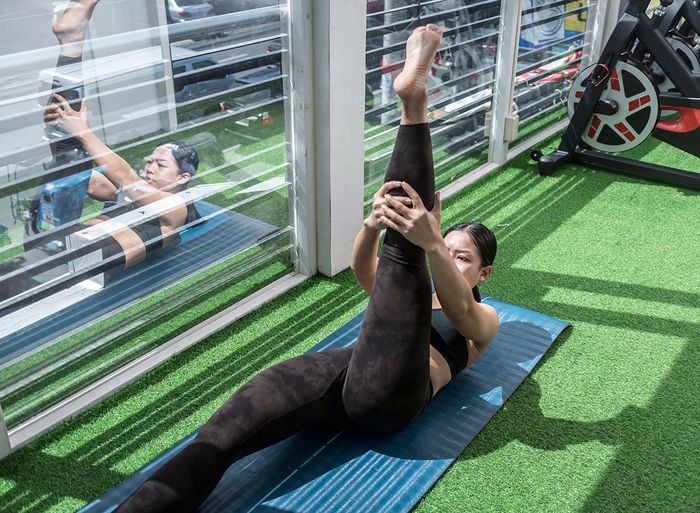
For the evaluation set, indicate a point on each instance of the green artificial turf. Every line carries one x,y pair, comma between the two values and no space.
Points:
608,421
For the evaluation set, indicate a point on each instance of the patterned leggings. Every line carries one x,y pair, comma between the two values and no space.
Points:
381,384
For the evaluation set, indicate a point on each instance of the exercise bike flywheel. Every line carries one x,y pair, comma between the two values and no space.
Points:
636,99
686,53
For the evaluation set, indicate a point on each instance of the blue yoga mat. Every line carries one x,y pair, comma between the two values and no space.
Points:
218,237
343,473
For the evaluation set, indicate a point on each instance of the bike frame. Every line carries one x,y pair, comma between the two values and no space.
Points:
642,31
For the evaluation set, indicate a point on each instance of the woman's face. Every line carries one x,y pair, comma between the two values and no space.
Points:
466,257
162,172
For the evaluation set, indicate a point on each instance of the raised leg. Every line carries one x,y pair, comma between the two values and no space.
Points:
71,26
411,85
388,380
69,156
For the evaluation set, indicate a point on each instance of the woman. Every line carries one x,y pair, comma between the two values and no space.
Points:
167,171
389,376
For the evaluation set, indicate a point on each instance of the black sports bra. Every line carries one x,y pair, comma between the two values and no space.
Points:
149,231
449,342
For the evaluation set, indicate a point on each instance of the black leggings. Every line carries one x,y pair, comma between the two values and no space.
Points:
381,384
65,149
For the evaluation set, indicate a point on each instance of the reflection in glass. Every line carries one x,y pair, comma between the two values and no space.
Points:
145,152
550,52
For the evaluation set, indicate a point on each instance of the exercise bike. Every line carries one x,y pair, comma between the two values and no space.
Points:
646,83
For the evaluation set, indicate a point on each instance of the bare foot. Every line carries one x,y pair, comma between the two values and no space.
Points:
412,83
71,26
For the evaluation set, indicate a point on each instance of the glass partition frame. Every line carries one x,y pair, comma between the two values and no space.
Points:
298,249
509,105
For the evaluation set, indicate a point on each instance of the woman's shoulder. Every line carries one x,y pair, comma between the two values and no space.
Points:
480,326
490,323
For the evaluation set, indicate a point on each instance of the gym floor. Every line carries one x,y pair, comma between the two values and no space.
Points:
607,422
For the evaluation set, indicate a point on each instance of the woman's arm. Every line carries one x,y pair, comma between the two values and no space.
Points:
100,188
476,321
363,261
115,169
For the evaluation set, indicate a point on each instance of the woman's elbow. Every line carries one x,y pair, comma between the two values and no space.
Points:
365,279
93,186
356,271
93,192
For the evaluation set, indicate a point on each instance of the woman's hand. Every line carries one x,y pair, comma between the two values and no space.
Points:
418,224
66,118
373,221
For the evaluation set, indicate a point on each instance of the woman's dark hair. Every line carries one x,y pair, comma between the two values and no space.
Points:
185,155
485,242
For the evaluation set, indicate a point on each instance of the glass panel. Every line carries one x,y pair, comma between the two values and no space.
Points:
552,42
144,180
460,86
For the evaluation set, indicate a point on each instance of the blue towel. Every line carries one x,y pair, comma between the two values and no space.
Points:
310,473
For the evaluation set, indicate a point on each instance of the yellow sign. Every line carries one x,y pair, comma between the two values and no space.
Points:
576,22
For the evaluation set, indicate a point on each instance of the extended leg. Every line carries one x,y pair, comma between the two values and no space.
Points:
388,380
277,403
69,156
70,28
